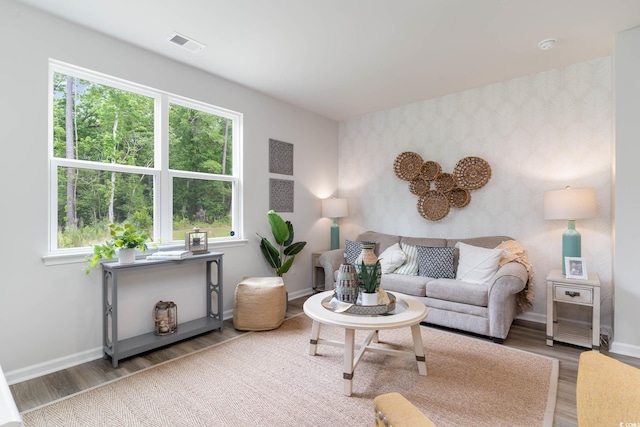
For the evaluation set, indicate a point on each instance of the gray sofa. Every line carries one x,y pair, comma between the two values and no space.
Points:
486,309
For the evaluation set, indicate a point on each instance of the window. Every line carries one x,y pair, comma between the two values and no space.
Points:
121,152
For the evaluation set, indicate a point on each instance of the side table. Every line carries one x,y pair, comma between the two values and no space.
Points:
317,271
579,292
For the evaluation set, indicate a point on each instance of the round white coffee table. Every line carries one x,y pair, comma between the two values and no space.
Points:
409,312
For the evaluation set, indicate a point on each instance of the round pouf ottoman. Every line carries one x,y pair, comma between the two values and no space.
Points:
259,304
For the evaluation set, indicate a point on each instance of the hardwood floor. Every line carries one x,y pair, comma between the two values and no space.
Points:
523,335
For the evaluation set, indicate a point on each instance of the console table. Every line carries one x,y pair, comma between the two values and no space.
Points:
120,349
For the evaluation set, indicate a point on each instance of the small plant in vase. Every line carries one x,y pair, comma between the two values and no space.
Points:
369,283
123,237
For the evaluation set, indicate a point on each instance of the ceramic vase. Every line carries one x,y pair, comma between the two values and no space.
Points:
369,257
347,284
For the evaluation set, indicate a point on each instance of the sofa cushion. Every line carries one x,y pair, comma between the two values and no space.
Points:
476,264
423,241
392,258
410,266
436,262
458,291
410,285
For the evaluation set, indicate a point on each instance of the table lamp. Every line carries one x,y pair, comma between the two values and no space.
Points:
334,208
570,204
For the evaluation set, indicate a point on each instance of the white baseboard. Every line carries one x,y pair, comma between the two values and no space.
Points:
625,349
533,317
44,368
50,366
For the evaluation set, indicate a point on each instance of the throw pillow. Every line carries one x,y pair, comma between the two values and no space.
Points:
352,250
410,266
436,263
476,264
392,258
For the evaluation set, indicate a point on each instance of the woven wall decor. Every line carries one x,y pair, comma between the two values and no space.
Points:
472,173
407,165
439,191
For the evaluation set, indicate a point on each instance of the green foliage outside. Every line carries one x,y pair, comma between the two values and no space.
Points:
105,125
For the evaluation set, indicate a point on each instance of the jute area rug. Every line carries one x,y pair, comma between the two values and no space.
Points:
269,379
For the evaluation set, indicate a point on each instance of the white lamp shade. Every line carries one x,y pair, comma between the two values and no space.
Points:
570,203
334,208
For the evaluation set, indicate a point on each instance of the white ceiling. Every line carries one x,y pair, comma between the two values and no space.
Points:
346,58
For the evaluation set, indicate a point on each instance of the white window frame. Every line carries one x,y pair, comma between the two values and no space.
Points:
162,175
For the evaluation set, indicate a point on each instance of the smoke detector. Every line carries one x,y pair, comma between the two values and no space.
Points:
547,44
186,42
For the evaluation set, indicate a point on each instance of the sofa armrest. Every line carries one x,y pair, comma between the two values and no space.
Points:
510,279
331,261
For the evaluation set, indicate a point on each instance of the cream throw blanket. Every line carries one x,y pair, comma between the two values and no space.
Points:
513,251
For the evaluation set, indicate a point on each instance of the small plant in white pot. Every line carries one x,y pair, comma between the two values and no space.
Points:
369,283
125,239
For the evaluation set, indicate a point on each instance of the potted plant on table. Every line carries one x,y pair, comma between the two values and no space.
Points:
124,238
282,257
369,283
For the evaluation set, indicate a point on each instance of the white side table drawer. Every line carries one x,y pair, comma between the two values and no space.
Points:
574,294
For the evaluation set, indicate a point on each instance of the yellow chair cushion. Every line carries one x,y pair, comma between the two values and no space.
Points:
393,409
607,391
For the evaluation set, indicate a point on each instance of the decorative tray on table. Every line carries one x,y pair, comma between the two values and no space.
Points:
333,304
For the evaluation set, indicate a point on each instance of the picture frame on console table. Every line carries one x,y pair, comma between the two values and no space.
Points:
576,268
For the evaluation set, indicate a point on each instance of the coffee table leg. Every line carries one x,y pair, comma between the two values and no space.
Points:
349,337
315,335
419,349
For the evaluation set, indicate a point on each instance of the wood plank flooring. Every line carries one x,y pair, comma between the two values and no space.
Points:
523,335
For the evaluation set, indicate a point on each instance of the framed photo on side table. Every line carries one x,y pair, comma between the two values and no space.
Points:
576,268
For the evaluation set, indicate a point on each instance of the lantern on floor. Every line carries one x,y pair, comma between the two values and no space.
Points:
196,241
165,314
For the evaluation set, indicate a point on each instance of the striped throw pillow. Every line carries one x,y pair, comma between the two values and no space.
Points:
410,266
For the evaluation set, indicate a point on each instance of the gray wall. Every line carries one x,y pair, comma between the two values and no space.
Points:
51,315
540,132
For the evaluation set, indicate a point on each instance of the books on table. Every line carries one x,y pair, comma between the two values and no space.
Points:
173,255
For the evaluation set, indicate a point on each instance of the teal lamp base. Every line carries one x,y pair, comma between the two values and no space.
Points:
571,244
335,235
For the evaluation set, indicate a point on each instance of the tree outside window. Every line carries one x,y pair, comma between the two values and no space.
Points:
111,164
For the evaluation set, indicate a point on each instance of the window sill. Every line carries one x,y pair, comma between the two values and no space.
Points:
81,257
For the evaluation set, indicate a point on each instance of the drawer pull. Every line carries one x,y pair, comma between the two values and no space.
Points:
572,293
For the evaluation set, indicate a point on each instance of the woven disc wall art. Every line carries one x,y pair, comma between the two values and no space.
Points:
472,173
434,205
430,170
459,197
451,189
445,182
419,186
407,165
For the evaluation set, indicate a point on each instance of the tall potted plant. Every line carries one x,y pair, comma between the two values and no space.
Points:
281,257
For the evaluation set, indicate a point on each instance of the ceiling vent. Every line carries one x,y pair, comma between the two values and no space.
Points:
186,42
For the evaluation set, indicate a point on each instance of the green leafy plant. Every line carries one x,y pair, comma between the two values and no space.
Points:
122,237
369,278
281,258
